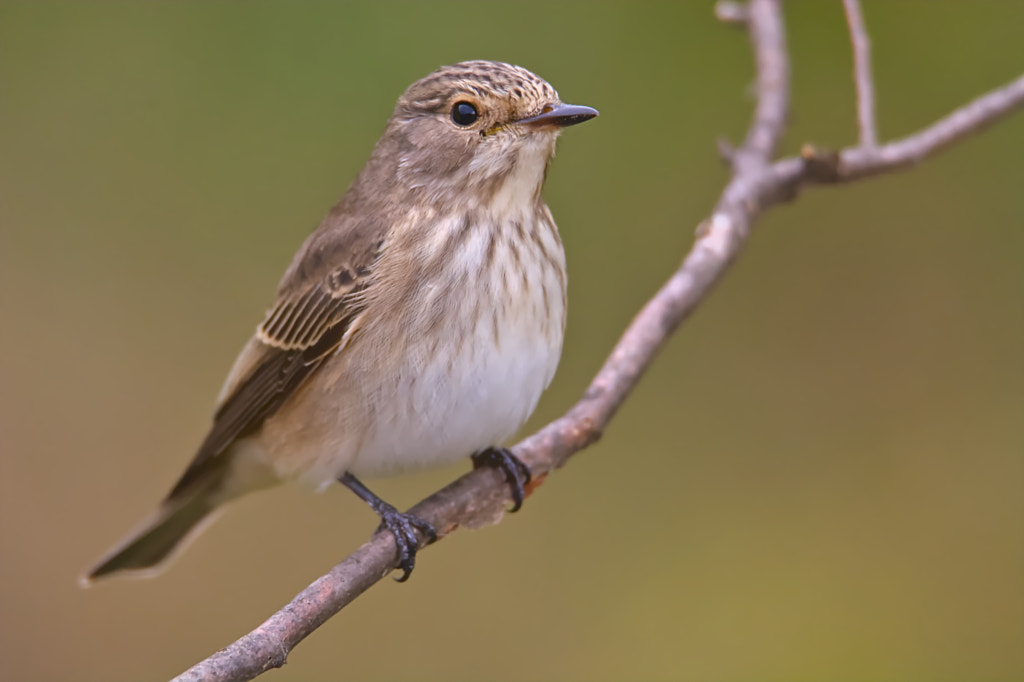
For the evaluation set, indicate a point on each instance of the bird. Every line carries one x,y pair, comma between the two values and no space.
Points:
419,323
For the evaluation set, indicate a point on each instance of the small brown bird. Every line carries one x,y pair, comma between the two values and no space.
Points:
418,324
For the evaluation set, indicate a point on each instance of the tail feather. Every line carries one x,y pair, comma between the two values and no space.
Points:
186,512
146,549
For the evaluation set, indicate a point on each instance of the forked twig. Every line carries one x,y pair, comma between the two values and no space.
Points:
478,498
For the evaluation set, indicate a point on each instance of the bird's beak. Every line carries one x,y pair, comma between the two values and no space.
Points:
559,116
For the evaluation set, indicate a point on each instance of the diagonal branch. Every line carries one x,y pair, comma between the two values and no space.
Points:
860,162
478,498
867,131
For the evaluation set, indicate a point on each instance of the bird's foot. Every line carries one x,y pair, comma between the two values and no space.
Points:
402,525
516,472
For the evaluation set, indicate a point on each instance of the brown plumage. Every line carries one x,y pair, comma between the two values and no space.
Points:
419,322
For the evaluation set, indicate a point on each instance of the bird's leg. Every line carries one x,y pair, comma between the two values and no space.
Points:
403,526
516,472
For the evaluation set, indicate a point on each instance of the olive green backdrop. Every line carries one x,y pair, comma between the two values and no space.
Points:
821,477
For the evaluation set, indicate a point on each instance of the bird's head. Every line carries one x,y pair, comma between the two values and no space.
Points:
478,128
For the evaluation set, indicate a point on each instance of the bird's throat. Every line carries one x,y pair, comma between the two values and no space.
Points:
519,191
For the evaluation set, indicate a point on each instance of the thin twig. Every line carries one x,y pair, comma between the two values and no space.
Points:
768,37
866,127
856,163
479,497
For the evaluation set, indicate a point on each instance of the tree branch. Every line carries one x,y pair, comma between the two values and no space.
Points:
866,127
479,498
771,59
860,162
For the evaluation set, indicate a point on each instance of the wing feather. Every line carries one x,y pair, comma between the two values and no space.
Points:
316,306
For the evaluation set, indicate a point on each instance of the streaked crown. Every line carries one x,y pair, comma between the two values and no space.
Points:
462,130
510,91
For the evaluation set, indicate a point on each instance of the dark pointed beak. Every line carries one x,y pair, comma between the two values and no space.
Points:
560,116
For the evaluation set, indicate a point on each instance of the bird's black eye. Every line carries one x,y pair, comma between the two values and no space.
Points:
464,114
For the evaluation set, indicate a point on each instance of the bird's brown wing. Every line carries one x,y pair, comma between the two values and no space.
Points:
317,302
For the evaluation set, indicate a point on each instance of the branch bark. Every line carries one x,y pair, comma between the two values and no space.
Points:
479,498
866,127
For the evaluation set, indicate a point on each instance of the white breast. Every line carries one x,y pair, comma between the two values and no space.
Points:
449,356
472,379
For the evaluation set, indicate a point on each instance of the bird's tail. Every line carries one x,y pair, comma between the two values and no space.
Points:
187,510
145,551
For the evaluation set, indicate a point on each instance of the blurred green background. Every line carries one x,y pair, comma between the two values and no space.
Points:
821,478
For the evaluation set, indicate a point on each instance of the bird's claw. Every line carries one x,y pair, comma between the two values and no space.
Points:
404,526
517,474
